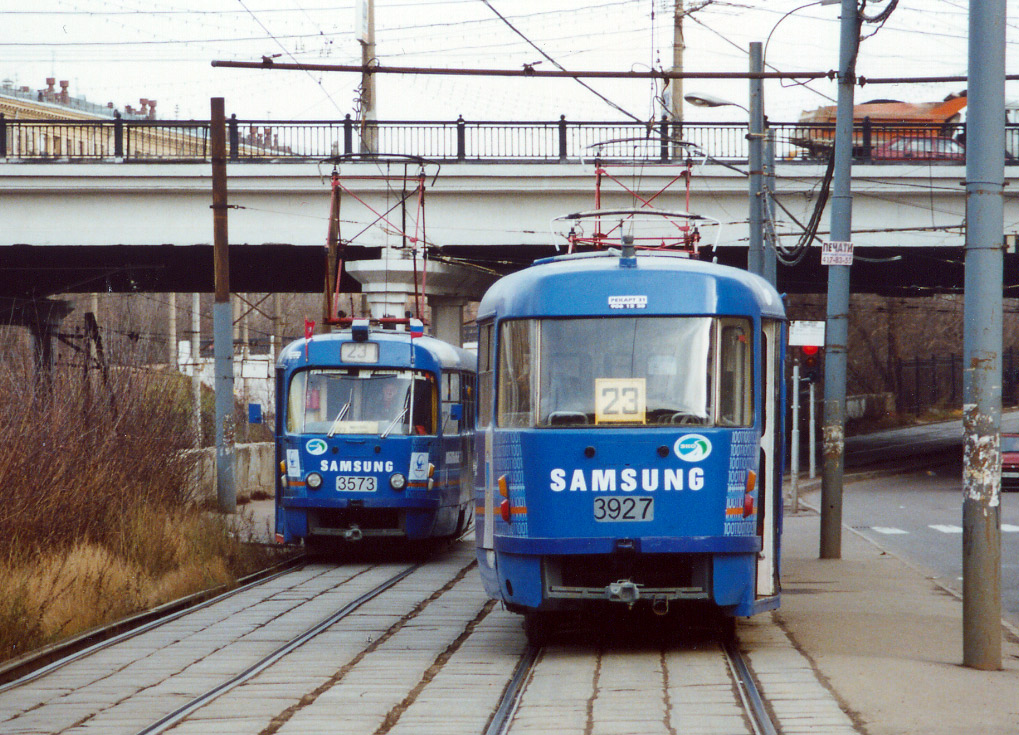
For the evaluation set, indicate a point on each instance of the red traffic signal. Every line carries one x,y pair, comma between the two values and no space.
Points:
811,361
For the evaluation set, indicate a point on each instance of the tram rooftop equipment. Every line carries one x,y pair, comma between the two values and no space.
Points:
629,436
373,435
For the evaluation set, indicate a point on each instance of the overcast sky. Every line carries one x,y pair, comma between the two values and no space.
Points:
122,50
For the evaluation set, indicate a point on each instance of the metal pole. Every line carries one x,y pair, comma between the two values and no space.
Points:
755,136
222,317
836,333
794,441
196,380
981,473
770,271
813,430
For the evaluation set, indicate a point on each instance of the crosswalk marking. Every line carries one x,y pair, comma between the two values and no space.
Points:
943,528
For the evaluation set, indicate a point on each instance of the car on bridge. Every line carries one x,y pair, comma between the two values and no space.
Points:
920,148
1009,461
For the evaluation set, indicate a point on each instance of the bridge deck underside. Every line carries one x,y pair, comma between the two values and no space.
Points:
40,271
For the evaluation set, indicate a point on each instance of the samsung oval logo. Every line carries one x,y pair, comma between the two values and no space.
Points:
316,446
692,447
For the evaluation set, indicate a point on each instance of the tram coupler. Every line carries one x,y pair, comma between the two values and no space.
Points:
623,591
353,534
660,606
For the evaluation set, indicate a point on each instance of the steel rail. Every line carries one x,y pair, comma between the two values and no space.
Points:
746,685
503,715
66,652
265,662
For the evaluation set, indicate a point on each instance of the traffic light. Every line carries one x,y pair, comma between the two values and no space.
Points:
810,359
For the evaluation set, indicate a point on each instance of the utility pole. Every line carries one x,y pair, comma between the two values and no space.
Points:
332,251
222,318
171,318
982,340
678,47
196,380
836,333
366,36
755,136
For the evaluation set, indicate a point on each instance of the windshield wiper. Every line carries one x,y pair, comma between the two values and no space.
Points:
393,423
341,414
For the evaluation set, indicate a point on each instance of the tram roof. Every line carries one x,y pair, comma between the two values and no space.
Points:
324,350
591,284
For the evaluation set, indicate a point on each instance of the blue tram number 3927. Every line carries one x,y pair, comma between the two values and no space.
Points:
624,509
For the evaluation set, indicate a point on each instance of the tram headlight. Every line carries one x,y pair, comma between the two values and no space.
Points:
398,481
314,481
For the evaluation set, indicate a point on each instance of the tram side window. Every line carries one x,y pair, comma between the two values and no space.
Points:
735,376
425,405
468,393
516,374
450,397
296,399
486,373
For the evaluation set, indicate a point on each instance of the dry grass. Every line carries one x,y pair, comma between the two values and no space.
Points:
97,520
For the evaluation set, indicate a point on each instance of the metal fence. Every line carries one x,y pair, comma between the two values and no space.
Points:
923,383
459,140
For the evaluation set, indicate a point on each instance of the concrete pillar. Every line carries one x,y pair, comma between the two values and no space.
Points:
389,283
447,318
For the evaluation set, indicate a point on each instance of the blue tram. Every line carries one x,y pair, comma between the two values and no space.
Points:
372,430
629,436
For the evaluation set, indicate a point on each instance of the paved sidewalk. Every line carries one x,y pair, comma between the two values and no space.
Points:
888,641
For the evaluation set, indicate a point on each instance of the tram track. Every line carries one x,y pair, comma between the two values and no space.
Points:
503,715
50,658
749,692
171,719
169,664
620,674
414,648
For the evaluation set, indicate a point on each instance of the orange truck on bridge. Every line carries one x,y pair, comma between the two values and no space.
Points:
879,122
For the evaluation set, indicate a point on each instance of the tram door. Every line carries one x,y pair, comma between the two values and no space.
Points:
770,477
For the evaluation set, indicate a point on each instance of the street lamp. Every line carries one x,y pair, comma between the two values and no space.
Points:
701,99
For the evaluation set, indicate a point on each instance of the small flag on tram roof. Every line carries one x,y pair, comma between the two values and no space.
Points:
417,328
309,332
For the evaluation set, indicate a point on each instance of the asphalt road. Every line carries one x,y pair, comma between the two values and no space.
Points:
915,511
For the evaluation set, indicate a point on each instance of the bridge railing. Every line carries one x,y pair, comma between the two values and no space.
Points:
462,140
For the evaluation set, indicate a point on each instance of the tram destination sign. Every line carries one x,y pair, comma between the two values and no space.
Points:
836,252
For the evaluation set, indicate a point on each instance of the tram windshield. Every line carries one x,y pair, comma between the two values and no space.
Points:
361,401
625,371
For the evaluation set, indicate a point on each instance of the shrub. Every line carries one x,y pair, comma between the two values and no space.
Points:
96,521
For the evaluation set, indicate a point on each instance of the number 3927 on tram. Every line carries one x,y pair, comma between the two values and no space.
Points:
372,430
629,436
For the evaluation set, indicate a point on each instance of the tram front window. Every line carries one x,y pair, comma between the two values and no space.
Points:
625,371
361,401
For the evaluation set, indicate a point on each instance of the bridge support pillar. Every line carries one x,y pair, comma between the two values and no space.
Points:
43,318
447,318
391,281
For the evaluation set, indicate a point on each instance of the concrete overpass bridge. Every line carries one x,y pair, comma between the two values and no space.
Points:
141,221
